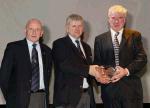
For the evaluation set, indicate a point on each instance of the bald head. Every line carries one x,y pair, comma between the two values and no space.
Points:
33,20
34,30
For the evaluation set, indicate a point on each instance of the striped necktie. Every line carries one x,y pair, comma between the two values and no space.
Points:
116,48
35,69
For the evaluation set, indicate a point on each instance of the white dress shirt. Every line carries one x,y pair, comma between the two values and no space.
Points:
38,48
119,37
85,83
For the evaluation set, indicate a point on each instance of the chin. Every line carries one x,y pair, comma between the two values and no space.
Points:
34,40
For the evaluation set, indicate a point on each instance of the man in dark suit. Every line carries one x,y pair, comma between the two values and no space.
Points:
24,76
121,52
72,59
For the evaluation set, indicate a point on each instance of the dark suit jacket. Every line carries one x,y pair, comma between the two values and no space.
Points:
131,56
70,68
15,73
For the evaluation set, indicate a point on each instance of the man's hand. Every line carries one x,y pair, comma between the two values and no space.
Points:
94,70
103,78
120,72
99,73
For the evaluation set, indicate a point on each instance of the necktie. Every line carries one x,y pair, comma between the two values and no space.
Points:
35,69
85,83
79,48
116,49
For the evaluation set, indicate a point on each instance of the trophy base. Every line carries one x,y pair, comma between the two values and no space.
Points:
109,71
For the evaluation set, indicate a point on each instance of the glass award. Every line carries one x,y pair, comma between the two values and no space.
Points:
109,71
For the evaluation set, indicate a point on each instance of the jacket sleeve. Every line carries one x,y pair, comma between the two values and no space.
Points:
140,57
6,69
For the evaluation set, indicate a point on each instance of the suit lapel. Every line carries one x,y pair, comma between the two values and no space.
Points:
74,48
26,53
108,40
88,54
71,44
125,36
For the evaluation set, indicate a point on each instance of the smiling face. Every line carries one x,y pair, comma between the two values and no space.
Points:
34,30
75,28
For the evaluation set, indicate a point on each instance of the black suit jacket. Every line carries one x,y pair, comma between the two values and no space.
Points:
15,73
131,56
70,68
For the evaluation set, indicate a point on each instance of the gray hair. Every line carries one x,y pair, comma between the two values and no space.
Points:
117,9
73,17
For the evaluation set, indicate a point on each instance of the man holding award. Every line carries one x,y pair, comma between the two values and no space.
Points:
121,53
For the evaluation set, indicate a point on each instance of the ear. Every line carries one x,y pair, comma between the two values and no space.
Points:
42,32
25,31
66,26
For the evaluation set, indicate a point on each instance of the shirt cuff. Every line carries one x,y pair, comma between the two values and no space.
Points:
128,73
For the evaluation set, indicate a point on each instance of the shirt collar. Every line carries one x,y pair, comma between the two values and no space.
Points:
114,32
74,39
30,43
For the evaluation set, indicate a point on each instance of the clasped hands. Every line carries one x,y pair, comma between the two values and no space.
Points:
101,74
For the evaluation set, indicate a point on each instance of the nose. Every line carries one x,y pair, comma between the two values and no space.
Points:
34,32
116,20
77,28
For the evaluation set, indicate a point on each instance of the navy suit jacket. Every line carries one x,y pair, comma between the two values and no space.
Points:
70,68
16,73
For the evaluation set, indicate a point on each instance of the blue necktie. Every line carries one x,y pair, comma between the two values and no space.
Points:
35,70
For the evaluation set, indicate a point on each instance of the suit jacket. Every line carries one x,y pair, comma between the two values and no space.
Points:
16,73
70,68
131,56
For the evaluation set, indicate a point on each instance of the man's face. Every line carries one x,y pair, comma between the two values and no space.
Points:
75,28
116,21
34,31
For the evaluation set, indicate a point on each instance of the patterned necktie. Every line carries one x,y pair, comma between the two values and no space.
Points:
35,69
79,48
116,49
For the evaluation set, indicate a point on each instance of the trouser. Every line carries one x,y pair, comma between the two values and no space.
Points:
37,100
83,103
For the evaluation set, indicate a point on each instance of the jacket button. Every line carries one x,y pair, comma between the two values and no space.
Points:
80,86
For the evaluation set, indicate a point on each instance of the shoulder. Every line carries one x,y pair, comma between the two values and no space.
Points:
45,47
15,44
14,47
132,32
102,36
60,40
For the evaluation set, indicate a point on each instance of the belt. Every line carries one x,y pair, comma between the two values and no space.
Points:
39,91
